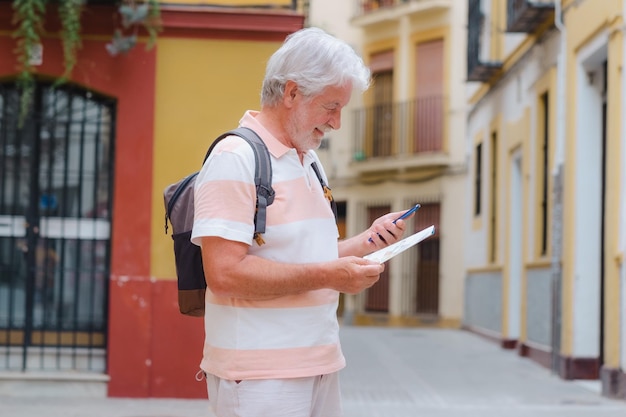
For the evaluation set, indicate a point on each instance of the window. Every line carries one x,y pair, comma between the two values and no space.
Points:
429,119
543,176
493,223
478,178
381,115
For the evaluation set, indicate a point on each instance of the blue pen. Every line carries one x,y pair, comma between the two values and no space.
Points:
403,216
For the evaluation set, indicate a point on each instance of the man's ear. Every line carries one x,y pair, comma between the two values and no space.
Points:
291,90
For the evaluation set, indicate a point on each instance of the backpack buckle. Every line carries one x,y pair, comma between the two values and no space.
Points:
328,193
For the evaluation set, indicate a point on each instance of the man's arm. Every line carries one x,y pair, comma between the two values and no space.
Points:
232,272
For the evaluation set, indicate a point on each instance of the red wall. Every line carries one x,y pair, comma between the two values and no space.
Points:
154,351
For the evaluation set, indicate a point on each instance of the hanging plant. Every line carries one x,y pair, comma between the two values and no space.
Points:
69,13
28,16
134,16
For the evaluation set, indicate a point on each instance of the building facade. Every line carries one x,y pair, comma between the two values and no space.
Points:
545,235
87,282
401,143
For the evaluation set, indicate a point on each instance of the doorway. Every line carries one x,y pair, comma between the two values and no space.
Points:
56,179
378,294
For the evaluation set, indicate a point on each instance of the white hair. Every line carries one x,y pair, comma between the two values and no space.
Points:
314,60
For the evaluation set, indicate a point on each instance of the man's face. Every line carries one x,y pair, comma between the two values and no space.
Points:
312,117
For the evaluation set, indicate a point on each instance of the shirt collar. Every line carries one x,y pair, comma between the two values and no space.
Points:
275,147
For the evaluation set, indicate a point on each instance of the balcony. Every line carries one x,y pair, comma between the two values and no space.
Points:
368,6
368,12
392,136
477,69
525,16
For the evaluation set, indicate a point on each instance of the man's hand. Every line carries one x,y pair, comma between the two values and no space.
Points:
355,274
384,231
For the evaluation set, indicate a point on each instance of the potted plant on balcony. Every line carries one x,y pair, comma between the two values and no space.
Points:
29,16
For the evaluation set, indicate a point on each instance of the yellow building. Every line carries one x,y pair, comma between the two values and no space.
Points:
402,143
546,231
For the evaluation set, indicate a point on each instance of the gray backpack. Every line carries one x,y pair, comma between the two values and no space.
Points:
179,210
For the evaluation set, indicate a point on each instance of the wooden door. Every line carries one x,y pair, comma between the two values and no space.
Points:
378,295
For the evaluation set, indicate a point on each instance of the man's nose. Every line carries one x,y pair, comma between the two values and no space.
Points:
335,120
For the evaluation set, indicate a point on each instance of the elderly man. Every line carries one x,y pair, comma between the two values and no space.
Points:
272,337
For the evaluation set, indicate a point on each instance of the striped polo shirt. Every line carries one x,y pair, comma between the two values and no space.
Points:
287,337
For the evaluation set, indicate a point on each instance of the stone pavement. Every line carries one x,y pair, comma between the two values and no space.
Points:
448,373
394,372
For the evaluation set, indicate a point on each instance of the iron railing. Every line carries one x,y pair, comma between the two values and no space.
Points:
406,128
527,15
477,70
367,6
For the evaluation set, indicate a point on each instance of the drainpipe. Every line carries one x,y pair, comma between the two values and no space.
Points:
559,155
557,191
622,242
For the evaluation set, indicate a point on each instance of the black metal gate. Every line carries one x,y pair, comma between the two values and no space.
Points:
56,177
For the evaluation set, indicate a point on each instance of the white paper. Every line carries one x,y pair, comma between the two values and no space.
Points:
384,254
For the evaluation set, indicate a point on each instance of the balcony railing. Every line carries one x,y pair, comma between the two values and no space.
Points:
527,15
368,6
477,70
399,129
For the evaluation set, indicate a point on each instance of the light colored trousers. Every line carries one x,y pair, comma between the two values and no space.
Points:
316,396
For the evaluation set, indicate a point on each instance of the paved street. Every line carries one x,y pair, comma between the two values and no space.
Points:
446,373
395,373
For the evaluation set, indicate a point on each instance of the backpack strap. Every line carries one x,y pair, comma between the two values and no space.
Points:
262,176
327,191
